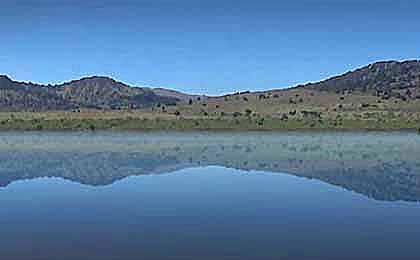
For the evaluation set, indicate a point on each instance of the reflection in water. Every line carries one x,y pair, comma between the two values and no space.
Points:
383,166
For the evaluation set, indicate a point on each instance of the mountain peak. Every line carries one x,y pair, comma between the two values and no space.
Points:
97,78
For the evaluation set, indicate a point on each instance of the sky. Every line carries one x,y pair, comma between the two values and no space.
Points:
203,46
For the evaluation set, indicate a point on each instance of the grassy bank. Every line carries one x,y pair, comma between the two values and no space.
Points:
279,110
179,123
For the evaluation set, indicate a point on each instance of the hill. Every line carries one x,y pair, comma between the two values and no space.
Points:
91,92
381,78
19,96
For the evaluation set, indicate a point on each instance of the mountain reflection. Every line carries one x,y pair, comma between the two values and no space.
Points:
383,166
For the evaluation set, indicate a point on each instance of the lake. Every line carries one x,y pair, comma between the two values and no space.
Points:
201,195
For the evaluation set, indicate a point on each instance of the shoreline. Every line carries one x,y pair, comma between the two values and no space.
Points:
202,125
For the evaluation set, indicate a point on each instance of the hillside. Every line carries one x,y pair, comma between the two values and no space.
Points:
381,78
18,96
91,92
103,92
178,95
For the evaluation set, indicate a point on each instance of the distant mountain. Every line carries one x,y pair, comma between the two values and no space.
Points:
380,77
91,92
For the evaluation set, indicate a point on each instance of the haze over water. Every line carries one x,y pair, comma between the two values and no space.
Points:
205,195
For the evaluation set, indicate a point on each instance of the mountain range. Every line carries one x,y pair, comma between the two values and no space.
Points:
390,78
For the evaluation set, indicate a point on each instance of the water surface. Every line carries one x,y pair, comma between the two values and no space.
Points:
209,195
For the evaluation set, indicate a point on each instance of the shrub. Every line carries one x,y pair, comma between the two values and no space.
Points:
248,112
92,127
260,122
284,117
237,114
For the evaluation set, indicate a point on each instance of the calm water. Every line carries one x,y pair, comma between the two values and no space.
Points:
209,196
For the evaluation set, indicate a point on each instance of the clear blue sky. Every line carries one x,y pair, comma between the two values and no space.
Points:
203,46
